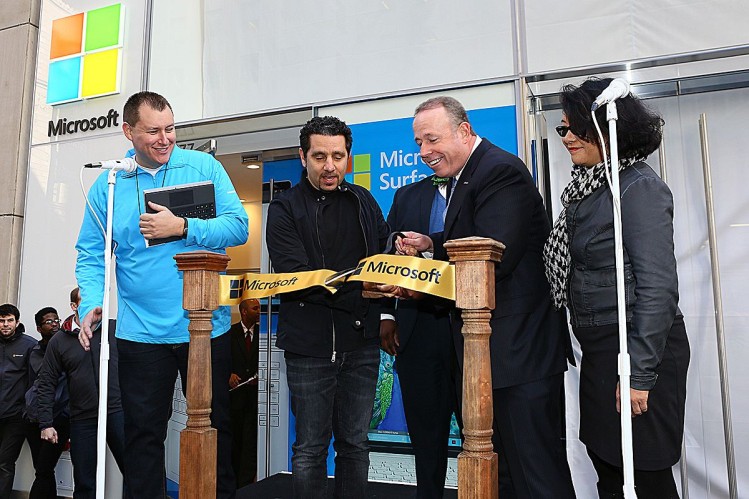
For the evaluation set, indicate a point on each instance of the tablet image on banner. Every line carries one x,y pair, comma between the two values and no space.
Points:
193,200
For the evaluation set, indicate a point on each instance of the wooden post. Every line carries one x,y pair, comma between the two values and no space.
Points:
197,449
474,259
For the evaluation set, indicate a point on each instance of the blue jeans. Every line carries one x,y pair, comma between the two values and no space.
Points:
147,376
83,451
332,398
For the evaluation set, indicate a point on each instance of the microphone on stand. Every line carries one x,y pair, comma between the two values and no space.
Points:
125,165
617,89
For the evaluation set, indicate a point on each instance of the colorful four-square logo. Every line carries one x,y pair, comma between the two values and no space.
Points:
85,55
359,170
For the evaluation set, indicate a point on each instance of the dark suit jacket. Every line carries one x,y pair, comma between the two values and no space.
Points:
244,364
410,211
495,197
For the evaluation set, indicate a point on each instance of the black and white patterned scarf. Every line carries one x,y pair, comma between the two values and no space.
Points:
557,248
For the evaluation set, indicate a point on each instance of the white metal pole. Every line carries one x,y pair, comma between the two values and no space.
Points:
683,469
624,362
101,428
725,392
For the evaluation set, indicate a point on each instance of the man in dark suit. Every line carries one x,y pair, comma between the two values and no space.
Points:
420,337
494,196
243,394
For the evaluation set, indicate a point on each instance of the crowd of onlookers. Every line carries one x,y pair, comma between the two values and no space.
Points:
49,397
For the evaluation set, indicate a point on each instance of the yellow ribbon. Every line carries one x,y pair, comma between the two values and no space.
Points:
432,277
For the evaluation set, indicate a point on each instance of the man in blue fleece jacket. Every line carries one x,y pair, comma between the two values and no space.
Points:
152,336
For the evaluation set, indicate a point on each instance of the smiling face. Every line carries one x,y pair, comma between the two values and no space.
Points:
444,147
153,136
326,161
582,153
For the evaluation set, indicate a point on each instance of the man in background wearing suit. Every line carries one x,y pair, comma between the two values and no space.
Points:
420,337
243,392
495,197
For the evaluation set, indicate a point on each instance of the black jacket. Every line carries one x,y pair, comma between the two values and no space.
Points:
411,211
651,283
495,197
14,372
245,365
66,355
310,319
62,400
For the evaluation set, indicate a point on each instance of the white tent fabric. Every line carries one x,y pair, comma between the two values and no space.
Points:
563,35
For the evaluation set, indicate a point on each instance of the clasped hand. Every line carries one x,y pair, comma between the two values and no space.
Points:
161,224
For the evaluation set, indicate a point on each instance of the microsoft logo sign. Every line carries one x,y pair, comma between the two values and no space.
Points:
85,55
359,170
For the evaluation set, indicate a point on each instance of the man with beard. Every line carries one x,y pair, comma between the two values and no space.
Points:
330,341
15,349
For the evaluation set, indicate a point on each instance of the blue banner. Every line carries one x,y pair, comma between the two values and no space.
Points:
385,156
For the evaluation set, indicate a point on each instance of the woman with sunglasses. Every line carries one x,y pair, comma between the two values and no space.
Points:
580,265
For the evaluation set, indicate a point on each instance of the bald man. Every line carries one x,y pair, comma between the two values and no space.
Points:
243,395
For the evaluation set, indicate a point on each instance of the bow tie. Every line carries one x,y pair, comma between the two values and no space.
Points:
438,181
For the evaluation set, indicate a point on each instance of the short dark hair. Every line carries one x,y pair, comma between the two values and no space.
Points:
639,129
75,295
326,125
455,110
39,316
8,309
131,111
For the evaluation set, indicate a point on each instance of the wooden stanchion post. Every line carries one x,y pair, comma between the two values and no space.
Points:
197,453
474,259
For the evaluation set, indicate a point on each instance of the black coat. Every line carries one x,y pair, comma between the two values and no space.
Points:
66,355
309,320
411,210
14,372
244,363
426,361
495,197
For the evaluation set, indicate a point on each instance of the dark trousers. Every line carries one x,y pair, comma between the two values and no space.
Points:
148,373
332,398
83,451
244,434
658,484
427,373
528,436
12,433
45,456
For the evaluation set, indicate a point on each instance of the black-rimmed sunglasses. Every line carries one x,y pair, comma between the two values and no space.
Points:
563,129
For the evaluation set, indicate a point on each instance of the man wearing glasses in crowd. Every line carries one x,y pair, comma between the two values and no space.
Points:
45,453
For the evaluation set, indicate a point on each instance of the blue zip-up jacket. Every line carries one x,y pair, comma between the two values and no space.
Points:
149,287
